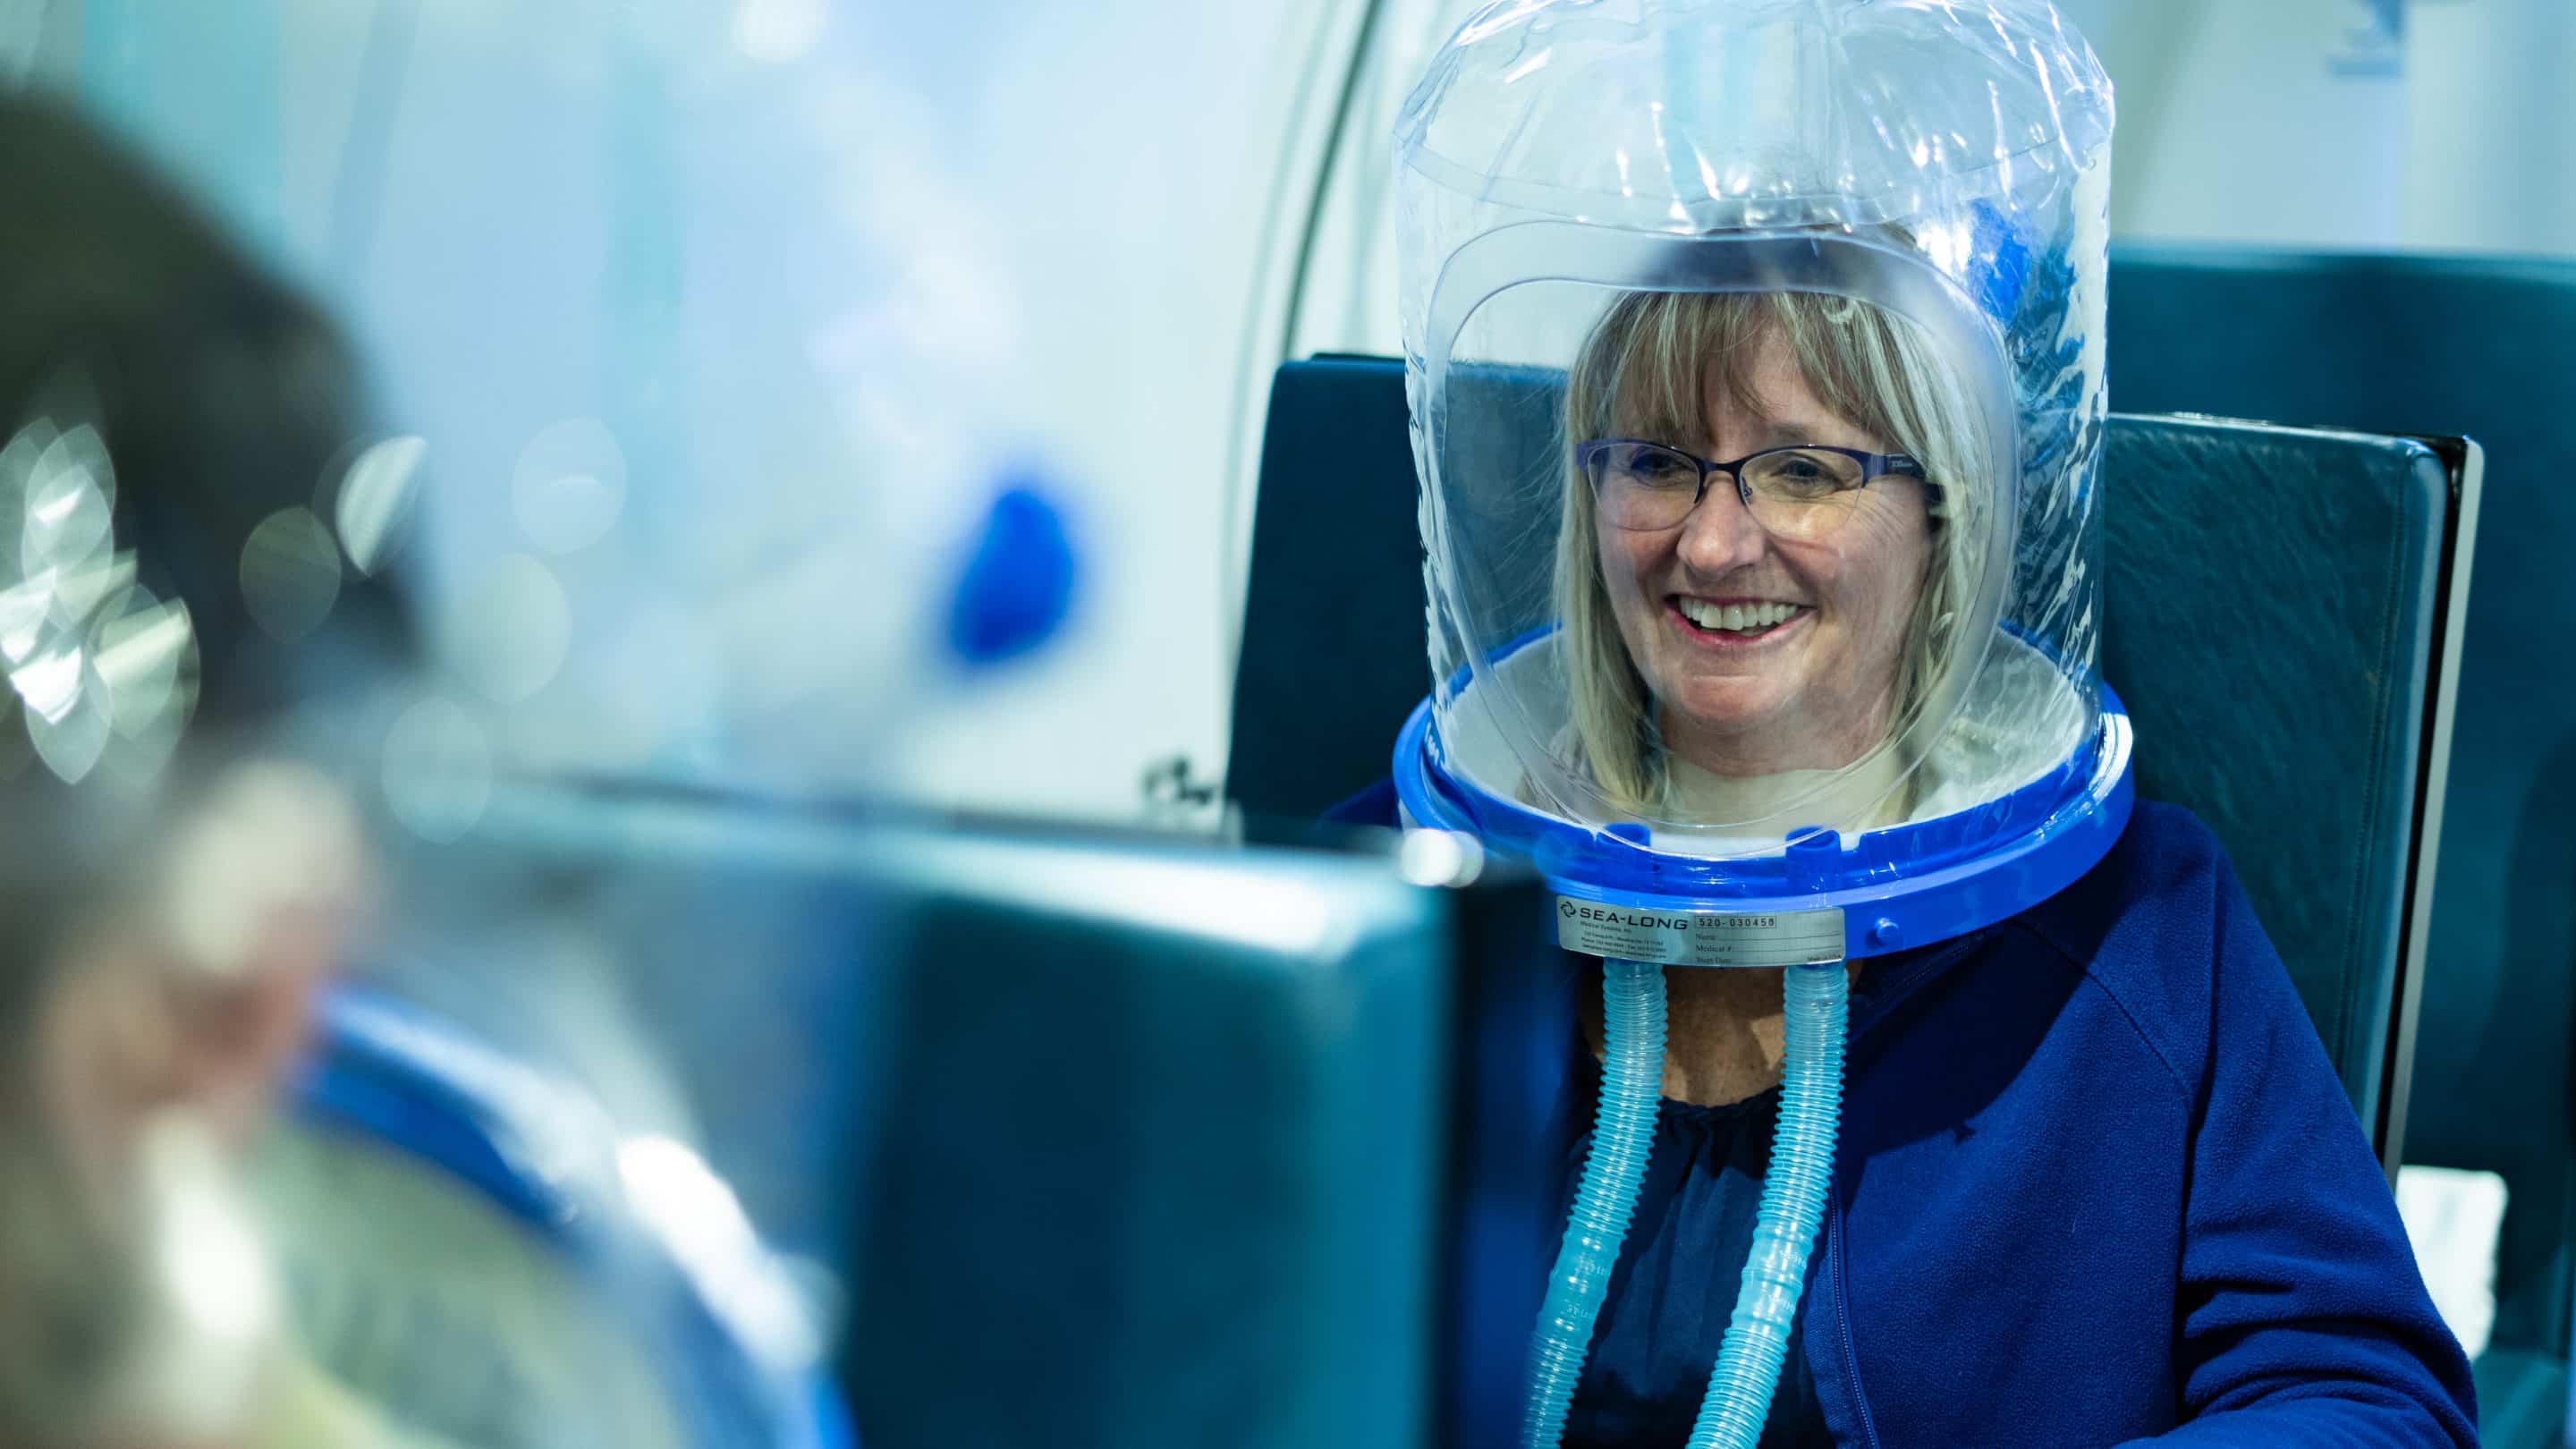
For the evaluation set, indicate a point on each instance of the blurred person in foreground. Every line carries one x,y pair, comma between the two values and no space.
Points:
181,867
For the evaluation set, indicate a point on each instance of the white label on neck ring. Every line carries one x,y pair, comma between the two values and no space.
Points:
1700,938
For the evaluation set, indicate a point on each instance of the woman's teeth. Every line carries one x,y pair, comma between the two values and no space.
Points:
1736,618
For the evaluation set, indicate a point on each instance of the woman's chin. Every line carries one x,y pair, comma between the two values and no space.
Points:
1721,722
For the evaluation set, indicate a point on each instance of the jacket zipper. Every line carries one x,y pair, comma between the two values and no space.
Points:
1840,1263
1836,1221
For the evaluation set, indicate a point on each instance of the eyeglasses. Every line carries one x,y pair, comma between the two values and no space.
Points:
1798,492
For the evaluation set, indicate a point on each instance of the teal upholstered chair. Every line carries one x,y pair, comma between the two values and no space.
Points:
2485,347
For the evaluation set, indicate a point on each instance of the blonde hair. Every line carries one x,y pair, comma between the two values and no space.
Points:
1641,372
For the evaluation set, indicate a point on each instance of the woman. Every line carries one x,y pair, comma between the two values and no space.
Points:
2097,1180
1986,1079
1783,321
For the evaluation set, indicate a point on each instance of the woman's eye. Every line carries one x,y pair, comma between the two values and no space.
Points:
1657,467
1812,474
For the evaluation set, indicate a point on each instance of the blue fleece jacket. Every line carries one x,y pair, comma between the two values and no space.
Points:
2097,1183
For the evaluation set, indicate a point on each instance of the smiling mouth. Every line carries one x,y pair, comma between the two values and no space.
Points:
1739,622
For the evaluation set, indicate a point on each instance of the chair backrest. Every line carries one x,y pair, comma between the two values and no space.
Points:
1158,1149
2486,348
2278,605
1334,650
2286,695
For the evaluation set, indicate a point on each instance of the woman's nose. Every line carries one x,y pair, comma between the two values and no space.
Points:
1721,534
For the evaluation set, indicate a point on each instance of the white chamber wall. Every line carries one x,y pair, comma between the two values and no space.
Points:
1024,243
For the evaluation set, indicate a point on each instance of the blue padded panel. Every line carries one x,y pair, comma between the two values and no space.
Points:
1334,634
1333,651
2276,667
2485,348
1159,1154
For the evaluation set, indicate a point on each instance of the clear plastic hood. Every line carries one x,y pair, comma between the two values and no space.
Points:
1755,355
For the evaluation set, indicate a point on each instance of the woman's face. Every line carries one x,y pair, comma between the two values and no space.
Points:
1816,691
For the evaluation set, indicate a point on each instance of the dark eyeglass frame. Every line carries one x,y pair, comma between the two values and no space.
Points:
1873,466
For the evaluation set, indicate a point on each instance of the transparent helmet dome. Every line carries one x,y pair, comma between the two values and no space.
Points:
1755,356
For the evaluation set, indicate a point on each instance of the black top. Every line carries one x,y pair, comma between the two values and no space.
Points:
1675,1287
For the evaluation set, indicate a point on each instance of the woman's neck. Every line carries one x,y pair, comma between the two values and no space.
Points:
1863,797
1726,1036
1795,742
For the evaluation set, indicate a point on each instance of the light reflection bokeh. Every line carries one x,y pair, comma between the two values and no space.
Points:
96,664
438,769
511,628
290,573
569,485
376,500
